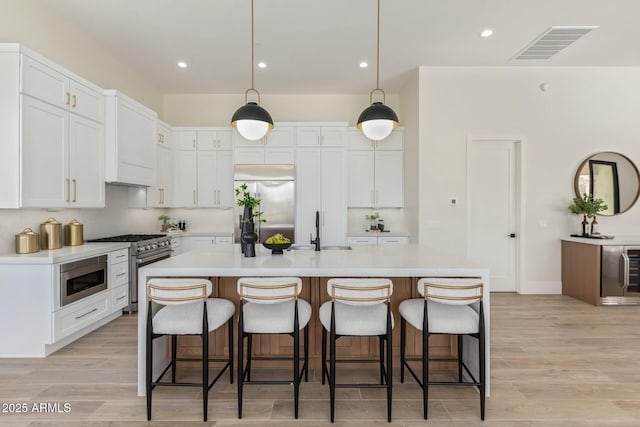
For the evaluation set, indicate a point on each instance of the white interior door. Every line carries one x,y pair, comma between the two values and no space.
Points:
491,201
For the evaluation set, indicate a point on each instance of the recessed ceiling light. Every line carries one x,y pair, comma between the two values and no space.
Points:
486,33
182,64
262,65
363,64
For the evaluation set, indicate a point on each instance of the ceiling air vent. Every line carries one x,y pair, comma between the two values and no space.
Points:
550,42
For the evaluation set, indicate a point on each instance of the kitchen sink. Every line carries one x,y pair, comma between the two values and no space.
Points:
322,248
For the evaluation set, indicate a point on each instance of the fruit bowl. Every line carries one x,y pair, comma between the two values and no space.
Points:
277,248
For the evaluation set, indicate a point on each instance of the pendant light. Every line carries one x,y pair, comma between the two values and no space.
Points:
377,120
252,121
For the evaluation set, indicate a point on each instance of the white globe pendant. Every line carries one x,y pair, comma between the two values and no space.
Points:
377,130
252,129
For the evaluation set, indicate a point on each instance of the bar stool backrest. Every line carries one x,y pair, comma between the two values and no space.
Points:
453,291
178,291
269,290
360,291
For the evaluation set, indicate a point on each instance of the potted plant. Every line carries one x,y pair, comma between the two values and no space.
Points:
165,225
250,216
588,206
373,220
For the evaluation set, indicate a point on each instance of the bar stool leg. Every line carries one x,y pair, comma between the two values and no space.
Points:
332,364
296,371
425,373
205,373
240,361
249,351
459,358
149,367
481,354
324,354
174,347
230,328
389,377
403,338
381,353
306,353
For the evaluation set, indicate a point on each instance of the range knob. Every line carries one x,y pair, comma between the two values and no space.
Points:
140,248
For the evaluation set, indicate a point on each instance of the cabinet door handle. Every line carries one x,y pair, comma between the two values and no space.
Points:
67,98
74,101
160,195
68,190
86,314
121,274
120,256
75,190
119,298
194,197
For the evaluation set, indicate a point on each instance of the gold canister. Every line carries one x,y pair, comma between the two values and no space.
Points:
27,242
73,233
51,234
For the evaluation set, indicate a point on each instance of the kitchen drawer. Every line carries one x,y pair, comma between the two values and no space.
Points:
118,274
224,240
119,298
401,240
362,240
118,256
81,314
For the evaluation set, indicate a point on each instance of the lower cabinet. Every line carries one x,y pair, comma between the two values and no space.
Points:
119,279
190,243
377,240
81,314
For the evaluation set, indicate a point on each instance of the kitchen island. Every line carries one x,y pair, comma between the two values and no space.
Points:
404,264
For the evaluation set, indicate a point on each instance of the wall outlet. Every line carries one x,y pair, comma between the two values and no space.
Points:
453,201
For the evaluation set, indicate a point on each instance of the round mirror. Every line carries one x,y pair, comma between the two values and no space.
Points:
611,177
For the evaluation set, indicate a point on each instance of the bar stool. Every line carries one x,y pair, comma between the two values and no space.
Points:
449,306
186,310
271,305
358,307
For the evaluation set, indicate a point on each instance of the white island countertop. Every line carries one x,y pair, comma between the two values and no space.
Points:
361,261
616,240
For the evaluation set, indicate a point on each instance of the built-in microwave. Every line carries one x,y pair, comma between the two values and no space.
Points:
79,279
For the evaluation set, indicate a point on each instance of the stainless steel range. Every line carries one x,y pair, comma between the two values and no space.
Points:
145,249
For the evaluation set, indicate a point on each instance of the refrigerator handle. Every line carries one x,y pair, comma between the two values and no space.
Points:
624,271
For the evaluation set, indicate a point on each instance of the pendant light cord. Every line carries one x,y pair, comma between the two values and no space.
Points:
377,50
252,54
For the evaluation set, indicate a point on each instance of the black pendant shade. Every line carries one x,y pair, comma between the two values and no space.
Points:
378,111
252,111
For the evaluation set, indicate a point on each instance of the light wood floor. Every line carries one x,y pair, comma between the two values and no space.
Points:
556,361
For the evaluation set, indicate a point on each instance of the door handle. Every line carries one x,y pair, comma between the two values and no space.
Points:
75,190
512,235
625,271
74,101
67,98
68,189
194,197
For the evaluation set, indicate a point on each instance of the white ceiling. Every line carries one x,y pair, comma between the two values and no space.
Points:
315,46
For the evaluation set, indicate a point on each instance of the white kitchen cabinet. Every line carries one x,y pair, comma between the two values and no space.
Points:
52,154
185,179
130,140
377,240
378,179
208,182
321,186
58,89
327,136
215,178
276,147
160,195
190,243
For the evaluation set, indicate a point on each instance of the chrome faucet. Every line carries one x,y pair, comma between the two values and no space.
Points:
316,241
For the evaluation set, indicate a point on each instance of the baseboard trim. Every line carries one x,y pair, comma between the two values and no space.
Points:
541,288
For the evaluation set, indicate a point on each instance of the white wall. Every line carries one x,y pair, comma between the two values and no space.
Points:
583,111
216,110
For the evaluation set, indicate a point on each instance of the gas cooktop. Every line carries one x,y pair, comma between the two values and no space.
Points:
129,238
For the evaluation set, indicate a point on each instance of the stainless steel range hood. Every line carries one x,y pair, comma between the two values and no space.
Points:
274,185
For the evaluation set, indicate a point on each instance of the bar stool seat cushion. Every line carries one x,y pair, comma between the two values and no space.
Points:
274,318
359,320
186,319
443,318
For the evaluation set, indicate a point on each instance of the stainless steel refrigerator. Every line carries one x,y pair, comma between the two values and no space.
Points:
274,185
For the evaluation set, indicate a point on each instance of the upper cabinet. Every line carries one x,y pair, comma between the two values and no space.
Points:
203,167
52,134
130,140
378,179
160,195
276,147
326,136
